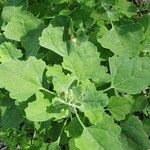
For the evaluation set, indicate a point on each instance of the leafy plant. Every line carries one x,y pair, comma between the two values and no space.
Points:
75,74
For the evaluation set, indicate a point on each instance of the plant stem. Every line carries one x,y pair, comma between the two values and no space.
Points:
79,118
62,129
107,89
52,93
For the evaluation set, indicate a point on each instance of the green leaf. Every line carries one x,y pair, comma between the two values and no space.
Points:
61,81
57,110
12,117
9,52
52,38
94,115
51,146
145,47
36,110
20,24
22,78
127,8
136,136
87,2
10,11
95,136
42,109
84,63
140,103
119,107
74,128
30,41
91,98
72,145
15,2
146,125
144,21
123,40
5,103
86,97
130,75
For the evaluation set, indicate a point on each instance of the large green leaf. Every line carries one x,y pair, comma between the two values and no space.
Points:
20,24
84,63
22,78
123,40
42,109
103,136
130,75
135,135
52,38
8,52
119,107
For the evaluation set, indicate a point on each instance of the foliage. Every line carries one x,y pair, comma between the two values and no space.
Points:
75,74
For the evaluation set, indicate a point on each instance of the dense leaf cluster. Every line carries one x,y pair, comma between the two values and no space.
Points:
75,74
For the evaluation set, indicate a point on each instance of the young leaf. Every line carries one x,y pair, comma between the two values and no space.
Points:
91,98
61,81
22,78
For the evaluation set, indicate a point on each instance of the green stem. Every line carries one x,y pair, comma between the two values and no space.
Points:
50,92
62,129
107,89
79,118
